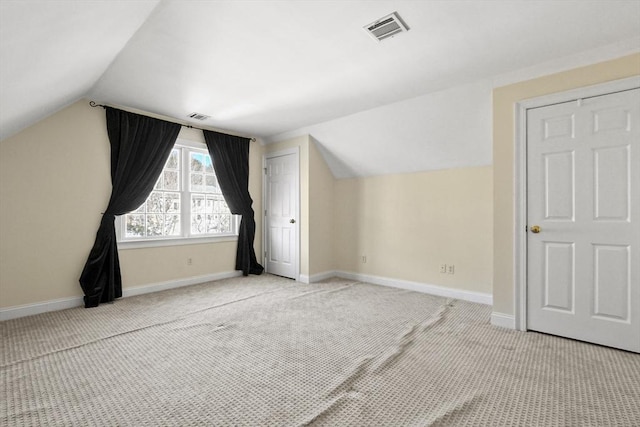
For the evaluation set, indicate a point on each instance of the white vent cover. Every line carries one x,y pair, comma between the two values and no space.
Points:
387,26
199,116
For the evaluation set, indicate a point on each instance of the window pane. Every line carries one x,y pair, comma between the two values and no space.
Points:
211,183
154,202
158,184
224,223
197,183
197,203
155,224
174,160
197,224
171,180
197,160
135,225
172,202
208,165
218,223
172,225
212,223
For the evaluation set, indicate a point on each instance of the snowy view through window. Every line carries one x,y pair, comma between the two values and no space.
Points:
185,202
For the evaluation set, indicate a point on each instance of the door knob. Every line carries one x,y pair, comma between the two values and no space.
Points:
292,221
535,229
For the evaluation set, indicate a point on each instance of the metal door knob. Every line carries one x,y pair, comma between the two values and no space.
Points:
535,229
292,221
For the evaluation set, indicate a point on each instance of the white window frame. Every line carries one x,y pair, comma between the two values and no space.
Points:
185,212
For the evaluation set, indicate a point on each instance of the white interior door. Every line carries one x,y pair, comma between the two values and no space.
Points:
583,192
281,215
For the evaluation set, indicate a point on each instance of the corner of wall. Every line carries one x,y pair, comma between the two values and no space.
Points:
321,207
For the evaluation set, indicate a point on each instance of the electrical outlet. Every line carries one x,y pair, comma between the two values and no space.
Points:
364,259
189,261
443,268
451,269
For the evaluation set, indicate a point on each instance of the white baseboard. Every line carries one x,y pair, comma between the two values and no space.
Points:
64,303
318,277
503,320
171,284
40,307
479,297
304,278
498,319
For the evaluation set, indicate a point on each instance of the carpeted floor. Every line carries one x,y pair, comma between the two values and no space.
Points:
264,351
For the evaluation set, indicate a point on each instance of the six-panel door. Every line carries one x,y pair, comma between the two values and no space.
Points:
583,191
281,214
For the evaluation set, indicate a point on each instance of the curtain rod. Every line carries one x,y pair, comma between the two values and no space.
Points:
94,104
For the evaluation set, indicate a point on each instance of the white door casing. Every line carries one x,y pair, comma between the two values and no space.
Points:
583,191
281,213
519,320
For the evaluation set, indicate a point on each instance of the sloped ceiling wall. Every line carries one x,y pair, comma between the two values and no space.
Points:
269,68
53,52
440,130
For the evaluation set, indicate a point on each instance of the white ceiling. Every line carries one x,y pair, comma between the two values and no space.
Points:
265,68
52,53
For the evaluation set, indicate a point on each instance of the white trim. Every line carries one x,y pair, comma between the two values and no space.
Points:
318,277
503,320
581,59
520,178
265,156
184,147
172,284
181,241
520,221
471,296
17,311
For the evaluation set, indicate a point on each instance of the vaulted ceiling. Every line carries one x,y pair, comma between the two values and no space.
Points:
266,68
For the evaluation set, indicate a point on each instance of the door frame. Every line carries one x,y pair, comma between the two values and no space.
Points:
295,151
520,177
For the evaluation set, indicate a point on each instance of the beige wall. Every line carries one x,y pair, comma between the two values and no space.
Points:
407,225
321,206
504,99
54,183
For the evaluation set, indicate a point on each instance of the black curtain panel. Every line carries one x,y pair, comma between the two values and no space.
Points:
230,156
140,147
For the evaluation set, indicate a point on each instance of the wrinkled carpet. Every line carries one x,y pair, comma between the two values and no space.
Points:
267,351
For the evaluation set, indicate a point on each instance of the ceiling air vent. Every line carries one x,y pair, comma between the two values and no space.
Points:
199,116
387,26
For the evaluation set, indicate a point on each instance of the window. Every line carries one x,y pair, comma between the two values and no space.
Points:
186,202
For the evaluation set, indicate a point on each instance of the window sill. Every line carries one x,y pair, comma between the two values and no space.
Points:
139,244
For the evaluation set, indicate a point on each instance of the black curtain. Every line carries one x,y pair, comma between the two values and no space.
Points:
140,147
230,156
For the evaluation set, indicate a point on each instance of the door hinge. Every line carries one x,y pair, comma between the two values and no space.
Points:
265,171
265,212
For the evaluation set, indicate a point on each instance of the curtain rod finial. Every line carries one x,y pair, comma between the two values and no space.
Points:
93,104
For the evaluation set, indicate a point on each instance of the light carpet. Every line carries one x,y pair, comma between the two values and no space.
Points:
267,351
